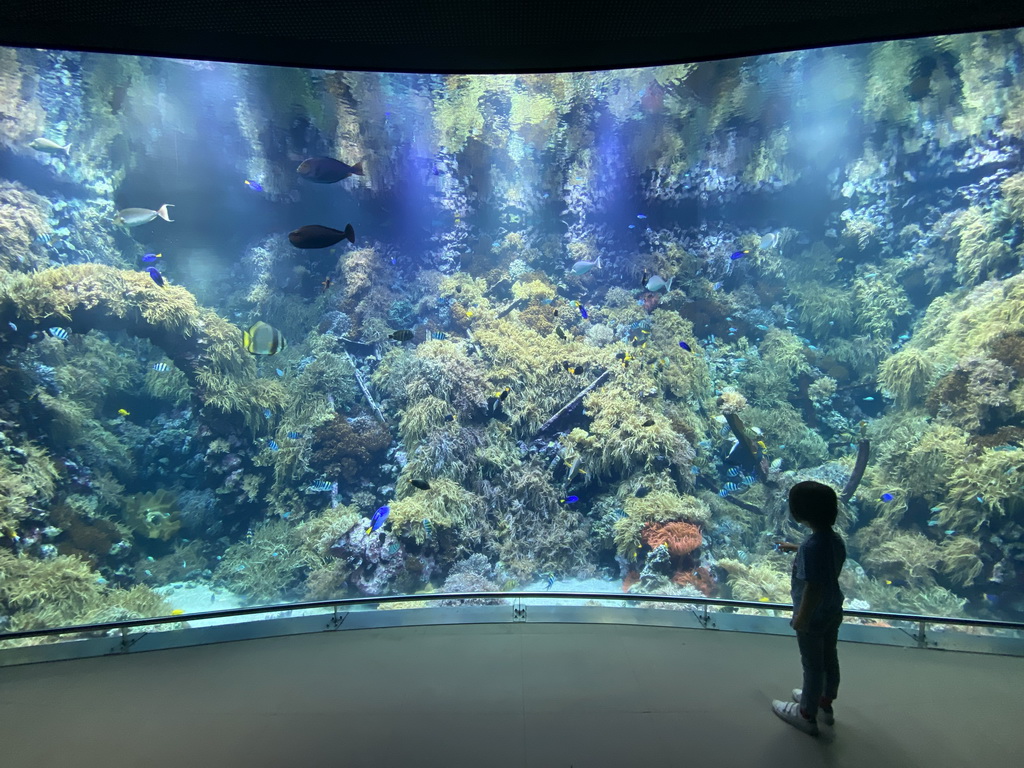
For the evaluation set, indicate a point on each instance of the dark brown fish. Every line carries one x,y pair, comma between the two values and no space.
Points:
327,170
403,335
423,485
316,236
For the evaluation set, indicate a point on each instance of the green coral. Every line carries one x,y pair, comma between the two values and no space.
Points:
881,302
768,578
23,223
153,515
447,505
27,477
981,251
267,568
905,375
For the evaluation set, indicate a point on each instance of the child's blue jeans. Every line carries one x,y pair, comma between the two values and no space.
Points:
820,659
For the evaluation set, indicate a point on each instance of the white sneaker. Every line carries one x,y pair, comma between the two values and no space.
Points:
790,712
827,716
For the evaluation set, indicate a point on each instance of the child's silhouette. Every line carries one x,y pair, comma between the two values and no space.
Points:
817,606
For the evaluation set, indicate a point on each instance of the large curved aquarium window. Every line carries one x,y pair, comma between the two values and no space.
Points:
279,335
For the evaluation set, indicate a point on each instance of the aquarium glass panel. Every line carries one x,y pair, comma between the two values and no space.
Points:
276,335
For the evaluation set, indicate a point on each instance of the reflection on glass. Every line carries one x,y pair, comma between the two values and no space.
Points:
277,334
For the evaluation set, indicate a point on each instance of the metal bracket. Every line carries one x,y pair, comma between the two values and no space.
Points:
127,640
920,637
518,611
337,619
704,617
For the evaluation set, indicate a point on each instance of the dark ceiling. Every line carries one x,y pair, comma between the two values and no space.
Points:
481,35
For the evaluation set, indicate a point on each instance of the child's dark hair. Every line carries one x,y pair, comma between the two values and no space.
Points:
814,503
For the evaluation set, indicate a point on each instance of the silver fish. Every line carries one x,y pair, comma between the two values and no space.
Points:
133,217
768,241
582,267
50,147
657,283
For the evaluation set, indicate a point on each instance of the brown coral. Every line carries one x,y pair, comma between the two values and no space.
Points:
347,448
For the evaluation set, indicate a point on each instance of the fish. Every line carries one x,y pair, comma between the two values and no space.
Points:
267,413
738,255
449,417
123,412
642,491
378,518
582,309
575,370
263,339
294,435
685,346
58,333
134,217
50,147
321,485
161,367
887,497
733,471
327,170
149,258
317,236
393,547
12,326
768,241
403,335
560,333
648,423
427,527
495,407
868,399
728,488
423,485
326,283
570,499
763,600
657,283
177,612
279,372
254,185
272,445
438,335
155,274
582,267
549,580
641,216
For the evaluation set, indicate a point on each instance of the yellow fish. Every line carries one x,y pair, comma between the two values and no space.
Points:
177,612
123,412
263,339
761,445
763,600
469,313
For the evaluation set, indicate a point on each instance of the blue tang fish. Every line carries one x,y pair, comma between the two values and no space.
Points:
583,310
685,346
738,255
571,499
378,518
253,185
155,274
887,497
149,258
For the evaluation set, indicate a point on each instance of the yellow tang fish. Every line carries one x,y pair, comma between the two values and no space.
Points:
177,612
763,600
123,412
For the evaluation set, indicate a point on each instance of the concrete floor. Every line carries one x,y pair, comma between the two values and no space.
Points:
572,696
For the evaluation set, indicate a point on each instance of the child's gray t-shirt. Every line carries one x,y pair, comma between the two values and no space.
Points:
820,559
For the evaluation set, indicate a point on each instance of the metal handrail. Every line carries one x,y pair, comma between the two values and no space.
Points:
434,596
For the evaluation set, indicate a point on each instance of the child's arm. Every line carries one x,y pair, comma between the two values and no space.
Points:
812,597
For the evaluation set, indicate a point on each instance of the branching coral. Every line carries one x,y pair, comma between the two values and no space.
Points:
905,375
447,505
982,250
768,578
27,477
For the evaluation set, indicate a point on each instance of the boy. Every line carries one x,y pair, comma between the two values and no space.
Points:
817,604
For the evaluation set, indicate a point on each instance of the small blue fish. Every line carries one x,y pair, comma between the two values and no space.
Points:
935,509
583,310
761,327
161,367
685,346
950,532
279,372
13,326
694,470
641,216
738,255
267,413
321,485
716,286
59,333
254,185
272,445
887,497
149,258
980,499
378,518
631,226
155,274
932,523
571,499
869,399
733,330
294,435
438,335
427,527
727,489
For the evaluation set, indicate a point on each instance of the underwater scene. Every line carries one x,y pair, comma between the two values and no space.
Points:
278,335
